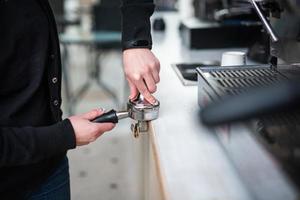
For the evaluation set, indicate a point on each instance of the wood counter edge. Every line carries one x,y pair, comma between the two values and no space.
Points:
158,166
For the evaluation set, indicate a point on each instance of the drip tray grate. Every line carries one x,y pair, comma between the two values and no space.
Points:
219,81
236,79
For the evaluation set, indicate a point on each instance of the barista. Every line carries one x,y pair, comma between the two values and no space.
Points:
33,137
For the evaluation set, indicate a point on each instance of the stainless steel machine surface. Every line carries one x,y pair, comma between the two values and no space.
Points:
278,133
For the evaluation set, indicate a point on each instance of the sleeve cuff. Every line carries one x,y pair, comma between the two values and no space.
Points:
136,27
58,138
70,134
137,44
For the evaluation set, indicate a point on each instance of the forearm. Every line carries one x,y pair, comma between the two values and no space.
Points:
26,145
136,22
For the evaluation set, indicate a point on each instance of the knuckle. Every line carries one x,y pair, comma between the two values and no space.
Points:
157,62
137,77
158,80
157,65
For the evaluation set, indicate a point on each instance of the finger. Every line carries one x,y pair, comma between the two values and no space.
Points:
144,91
92,114
104,127
155,75
155,68
155,65
133,90
150,83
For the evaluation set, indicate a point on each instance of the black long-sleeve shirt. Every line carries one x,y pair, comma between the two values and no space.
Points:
33,138
136,22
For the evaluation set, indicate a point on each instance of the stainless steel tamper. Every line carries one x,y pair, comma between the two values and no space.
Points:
139,110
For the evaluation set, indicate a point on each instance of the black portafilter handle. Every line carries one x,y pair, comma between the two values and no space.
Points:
260,102
108,117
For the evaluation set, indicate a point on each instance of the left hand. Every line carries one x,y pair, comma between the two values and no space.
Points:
142,72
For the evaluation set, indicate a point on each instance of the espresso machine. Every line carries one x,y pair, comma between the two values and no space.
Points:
254,110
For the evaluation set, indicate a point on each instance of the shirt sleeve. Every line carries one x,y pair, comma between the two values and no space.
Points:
136,22
28,145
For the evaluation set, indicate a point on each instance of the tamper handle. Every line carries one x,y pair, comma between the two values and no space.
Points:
109,117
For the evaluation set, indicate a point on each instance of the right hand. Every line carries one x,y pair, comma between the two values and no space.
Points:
141,68
87,131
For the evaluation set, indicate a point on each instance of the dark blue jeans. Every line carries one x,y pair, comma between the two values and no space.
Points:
56,187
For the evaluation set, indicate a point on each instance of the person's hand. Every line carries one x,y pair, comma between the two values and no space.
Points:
85,130
142,72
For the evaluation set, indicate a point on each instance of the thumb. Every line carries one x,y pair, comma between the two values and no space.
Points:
92,114
133,90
